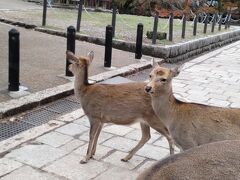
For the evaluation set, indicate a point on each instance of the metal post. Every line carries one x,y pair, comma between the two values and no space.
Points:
170,37
71,33
184,26
195,25
205,24
80,5
213,23
229,20
114,13
44,13
220,23
155,26
138,51
226,21
14,54
108,46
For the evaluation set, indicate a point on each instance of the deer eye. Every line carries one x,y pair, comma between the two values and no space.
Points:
150,76
163,80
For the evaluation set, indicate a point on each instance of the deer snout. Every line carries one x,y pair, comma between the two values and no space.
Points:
148,88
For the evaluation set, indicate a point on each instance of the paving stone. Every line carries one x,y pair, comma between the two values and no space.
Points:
83,121
72,145
29,173
117,173
71,116
72,129
197,99
153,152
162,142
118,129
235,105
54,139
101,151
8,165
120,143
36,155
70,168
115,159
197,92
135,126
218,103
137,135
146,165
102,137
218,96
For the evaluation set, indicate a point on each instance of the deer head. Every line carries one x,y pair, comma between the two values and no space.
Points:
160,79
79,64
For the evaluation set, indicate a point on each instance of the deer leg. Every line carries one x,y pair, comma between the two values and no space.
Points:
169,138
94,126
96,139
170,142
145,137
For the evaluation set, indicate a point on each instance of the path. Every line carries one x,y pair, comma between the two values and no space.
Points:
211,79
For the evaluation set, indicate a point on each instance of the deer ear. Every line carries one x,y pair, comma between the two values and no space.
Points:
90,56
71,57
175,71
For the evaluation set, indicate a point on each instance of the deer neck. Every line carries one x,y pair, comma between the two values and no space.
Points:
165,106
81,82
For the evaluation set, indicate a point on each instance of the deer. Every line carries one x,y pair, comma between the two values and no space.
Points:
121,104
190,124
217,160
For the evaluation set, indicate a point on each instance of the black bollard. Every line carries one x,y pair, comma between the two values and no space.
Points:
44,13
226,21
229,20
80,5
71,33
14,54
213,23
108,46
195,25
138,51
155,26
170,37
205,24
114,13
220,23
184,26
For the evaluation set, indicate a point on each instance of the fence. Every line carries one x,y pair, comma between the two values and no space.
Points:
204,19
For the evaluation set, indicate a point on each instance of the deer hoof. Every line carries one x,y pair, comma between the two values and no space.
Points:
83,161
124,160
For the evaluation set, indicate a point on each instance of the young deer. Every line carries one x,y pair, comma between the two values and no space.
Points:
218,160
122,104
190,124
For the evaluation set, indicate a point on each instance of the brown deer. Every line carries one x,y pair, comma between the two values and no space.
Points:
190,124
121,104
218,160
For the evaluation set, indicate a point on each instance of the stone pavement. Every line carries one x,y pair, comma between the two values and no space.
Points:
212,79
53,150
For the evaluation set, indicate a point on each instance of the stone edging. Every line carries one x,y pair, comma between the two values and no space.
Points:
31,101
